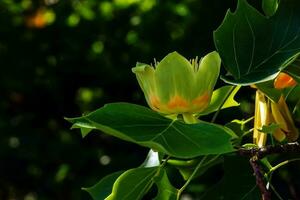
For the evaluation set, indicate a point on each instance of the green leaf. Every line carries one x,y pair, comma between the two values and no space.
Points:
187,170
84,129
268,89
294,70
270,129
255,48
165,190
269,7
104,187
249,146
219,96
238,126
133,184
292,96
238,182
145,127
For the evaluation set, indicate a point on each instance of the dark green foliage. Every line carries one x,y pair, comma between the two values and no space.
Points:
76,64
251,55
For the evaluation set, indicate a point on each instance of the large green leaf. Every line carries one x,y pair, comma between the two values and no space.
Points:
104,187
255,48
145,127
133,184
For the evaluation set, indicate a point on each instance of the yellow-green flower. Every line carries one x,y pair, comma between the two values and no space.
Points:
178,86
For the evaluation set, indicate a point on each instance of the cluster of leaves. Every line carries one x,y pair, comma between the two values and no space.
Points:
73,58
249,58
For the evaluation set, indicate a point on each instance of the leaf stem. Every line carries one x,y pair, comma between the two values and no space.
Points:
222,104
162,165
165,161
200,164
191,177
282,164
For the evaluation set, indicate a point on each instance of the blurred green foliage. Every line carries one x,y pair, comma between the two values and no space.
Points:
60,58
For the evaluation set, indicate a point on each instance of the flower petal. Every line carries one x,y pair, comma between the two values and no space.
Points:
175,76
208,73
146,78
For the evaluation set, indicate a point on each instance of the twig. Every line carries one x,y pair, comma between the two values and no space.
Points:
265,193
257,154
261,152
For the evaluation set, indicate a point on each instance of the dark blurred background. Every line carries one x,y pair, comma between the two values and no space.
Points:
66,57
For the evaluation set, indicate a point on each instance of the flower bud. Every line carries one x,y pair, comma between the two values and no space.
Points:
261,118
177,86
283,80
283,118
268,112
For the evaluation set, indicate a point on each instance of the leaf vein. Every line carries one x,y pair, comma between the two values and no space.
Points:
253,44
234,51
189,139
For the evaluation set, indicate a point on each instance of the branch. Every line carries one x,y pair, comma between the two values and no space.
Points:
257,154
265,193
261,152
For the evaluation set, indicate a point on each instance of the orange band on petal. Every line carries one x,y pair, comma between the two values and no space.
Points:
283,80
201,100
176,102
154,101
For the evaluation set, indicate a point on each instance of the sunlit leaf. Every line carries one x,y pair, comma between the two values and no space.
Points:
165,190
219,97
270,128
104,187
255,48
84,129
145,127
133,184
269,7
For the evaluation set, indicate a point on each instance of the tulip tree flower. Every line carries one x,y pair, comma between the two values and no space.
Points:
178,86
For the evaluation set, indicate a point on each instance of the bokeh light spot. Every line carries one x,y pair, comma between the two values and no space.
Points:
14,142
97,47
104,160
73,20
